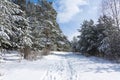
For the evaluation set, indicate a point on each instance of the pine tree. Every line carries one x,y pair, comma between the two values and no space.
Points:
88,38
14,27
108,41
44,26
100,39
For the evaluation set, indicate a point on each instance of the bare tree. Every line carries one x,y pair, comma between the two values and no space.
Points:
112,8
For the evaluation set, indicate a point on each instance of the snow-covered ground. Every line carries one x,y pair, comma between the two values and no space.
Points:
60,66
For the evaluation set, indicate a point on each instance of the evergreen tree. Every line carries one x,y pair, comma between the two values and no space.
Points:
74,44
45,29
88,38
100,39
14,26
108,41
42,25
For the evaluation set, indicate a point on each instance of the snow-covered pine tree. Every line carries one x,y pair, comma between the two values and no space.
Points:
88,38
14,26
45,28
42,20
104,29
4,26
109,37
102,39
57,39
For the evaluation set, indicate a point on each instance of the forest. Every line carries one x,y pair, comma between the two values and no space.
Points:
101,38
33,46
30,27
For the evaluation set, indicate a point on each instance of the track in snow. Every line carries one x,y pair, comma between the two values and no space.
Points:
60,70
61,66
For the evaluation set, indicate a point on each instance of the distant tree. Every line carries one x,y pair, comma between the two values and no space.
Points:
74,44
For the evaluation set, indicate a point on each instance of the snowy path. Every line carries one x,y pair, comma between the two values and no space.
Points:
61,66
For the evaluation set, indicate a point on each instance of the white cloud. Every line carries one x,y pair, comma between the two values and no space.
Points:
67,9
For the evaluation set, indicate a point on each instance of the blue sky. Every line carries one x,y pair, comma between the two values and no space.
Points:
71,13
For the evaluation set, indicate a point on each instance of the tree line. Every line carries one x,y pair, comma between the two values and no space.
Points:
30,26
102,38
